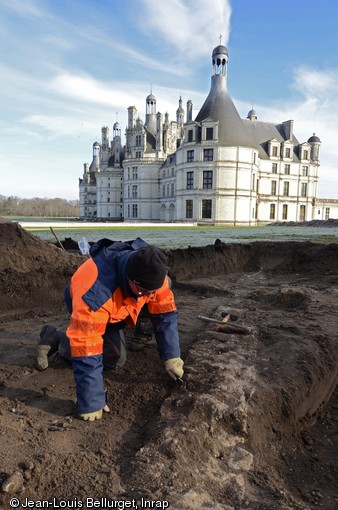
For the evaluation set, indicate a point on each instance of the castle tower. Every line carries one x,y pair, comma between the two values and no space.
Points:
95,164
315,142
180,113
150,122
219,105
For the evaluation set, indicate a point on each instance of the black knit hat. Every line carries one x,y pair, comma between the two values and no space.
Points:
148,268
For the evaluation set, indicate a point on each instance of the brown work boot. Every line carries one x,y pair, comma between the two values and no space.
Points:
47,345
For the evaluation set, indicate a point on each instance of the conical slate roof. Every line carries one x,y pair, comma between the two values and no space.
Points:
232,131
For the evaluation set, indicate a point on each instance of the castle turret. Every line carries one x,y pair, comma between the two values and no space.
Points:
180,113
150,122
315,142
218,105
116,147
159,133
95,164
252,115
116,130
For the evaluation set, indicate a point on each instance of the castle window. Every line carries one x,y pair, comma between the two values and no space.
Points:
207,179
138,140
303,189
138,154
272,211
172,189
134,191
209,135
274,168
302,211
305,170
134,168
285,212
134,211
274,151
189,209
208,154
273,188
190,156
190,180
206,209
287,152
190,135
327,213
286,188
306,155
287,169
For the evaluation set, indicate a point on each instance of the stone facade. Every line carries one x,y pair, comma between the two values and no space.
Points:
218,169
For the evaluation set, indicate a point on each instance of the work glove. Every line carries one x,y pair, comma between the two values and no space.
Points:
174,367
95,415
41,362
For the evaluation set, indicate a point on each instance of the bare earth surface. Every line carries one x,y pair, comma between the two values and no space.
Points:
255,427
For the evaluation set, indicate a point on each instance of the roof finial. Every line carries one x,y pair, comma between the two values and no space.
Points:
220,38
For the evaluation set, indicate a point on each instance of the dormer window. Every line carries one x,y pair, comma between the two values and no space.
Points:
209,133
274,148
304,151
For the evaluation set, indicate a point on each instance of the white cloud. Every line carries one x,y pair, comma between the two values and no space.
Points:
192,27
315,83
313,111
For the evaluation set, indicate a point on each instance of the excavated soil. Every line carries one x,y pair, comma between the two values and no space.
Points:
255,425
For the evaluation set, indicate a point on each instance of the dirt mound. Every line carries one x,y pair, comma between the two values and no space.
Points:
279,257
33,274
255,425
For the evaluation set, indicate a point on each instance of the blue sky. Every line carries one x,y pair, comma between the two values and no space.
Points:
69,67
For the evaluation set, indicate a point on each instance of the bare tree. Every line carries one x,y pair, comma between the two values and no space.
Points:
42,207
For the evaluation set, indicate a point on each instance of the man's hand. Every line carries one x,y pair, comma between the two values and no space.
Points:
174,367
95,415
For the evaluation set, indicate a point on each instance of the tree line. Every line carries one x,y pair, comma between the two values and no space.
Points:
48,207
